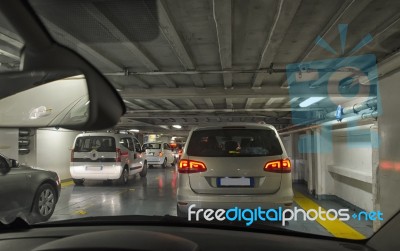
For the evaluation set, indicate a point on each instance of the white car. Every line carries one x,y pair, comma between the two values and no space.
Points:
159,153
106,156
243,165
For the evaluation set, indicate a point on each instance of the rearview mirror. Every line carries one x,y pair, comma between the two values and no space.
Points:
42,98
41,53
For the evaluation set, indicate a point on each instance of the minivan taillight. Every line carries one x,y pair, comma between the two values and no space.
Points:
118,158
278,166
191,166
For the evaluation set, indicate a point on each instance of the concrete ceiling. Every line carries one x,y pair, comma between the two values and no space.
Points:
210,61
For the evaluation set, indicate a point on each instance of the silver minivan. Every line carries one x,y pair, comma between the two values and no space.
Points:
242,165
106,156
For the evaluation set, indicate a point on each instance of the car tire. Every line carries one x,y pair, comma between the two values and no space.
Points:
179,213
164,164
44,203
124,178
143,173
78,182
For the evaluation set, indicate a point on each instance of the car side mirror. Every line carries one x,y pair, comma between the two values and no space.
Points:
4,166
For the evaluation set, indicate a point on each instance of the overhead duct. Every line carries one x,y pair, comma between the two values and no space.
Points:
356,108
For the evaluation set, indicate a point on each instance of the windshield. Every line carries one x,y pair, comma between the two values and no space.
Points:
152,146
101,144
288,107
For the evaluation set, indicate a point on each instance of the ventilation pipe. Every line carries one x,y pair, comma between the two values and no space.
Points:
355,109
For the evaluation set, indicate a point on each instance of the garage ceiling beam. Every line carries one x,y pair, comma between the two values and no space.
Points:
184,117
222,11
126,42
249,102
283,18
9,54
190,103
229,103
215,92
168,30
170,104
137,123
10,40
209,103
149,113
148,104
133,105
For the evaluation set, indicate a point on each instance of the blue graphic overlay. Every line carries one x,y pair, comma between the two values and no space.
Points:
325,88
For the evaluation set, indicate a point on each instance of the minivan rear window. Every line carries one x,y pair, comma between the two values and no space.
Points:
98,143
152,146
234,143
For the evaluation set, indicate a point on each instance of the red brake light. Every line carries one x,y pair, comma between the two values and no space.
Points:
191,166
118,158
278,166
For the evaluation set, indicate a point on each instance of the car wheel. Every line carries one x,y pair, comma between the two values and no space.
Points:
143,173
44,203
179,213
123,180
78,182
164,164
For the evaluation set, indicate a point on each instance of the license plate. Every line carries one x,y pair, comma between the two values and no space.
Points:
235,182
94,168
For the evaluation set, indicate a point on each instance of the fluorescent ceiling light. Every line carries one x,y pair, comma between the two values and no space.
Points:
177,126
134,130
310,101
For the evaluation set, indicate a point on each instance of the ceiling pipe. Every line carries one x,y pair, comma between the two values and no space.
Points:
356,108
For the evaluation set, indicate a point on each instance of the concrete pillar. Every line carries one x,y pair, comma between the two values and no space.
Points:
309,162
375,167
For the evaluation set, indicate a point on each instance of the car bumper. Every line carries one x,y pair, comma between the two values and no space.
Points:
87,172
282,198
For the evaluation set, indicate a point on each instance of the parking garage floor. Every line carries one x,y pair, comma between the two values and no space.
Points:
156,195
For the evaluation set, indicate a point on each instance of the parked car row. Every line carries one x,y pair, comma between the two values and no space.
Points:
32,194
115,157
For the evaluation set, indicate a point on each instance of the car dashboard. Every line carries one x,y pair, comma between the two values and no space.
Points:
139,237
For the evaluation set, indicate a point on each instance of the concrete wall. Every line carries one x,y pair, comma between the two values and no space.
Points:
388,173
9,143
50,149
351,167
54,150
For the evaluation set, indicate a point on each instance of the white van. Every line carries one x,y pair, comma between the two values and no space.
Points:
106,156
